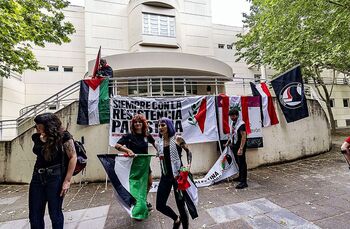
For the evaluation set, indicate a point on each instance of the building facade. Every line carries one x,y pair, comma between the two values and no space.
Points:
156,48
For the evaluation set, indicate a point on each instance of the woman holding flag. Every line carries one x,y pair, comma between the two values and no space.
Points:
170,148
137,143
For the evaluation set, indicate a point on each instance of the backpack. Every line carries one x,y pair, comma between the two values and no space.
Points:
81,157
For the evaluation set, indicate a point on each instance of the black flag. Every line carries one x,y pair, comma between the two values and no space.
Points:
289,90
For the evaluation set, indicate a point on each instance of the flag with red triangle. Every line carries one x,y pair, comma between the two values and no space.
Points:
93,102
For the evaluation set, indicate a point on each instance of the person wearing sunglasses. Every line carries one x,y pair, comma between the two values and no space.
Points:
169,152
136,142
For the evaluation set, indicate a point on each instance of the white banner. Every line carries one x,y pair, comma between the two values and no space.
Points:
194,117
224,167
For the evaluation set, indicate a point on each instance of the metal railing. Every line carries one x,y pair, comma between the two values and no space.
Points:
58,101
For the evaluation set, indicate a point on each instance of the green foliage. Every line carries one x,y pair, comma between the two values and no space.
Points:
24,23
283,33
312,33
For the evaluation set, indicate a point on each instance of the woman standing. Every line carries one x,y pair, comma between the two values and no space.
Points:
137,143
170,148
51,180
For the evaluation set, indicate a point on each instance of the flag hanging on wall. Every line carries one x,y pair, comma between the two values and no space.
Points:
289,90
93,102
249,112
129,180
269,116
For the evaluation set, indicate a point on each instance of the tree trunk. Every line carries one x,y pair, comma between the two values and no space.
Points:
318,81
329,108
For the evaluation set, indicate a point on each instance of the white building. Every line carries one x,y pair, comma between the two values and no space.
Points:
156,48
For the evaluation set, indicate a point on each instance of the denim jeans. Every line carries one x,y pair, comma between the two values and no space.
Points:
45,188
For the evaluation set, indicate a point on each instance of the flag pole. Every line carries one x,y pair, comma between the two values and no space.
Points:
217,121
108,150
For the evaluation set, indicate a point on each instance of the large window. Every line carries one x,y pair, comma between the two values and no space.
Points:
164,86
158,25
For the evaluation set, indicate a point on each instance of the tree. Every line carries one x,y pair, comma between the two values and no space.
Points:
24,23
315,34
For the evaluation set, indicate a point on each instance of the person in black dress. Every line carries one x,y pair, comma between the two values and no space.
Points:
137,143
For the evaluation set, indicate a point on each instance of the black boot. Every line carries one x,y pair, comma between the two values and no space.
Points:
241,185
176,225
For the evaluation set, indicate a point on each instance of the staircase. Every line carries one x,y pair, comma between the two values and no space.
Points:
9,129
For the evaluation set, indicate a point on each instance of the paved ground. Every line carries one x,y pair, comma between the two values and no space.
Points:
309,193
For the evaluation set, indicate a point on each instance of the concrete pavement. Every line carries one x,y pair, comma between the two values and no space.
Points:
308,193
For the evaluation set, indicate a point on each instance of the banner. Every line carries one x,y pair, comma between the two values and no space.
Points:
249,112
289,90
223,168
194,117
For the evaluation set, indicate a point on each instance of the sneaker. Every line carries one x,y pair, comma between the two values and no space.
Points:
149,206
242,185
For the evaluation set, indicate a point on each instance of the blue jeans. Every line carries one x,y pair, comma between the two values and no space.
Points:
45,188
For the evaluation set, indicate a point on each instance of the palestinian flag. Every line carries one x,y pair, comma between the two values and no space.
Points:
129,177
93,102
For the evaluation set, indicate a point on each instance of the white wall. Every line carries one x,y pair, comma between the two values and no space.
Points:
106,25
42,84
282,142
12,97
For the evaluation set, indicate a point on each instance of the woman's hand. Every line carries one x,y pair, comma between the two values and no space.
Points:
240,152
131,153
65,187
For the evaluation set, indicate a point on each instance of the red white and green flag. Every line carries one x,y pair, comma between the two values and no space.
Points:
129,180
93,102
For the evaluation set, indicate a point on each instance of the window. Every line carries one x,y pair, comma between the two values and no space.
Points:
159,25
346,102
155,86
331,102
257,78
347,122
221,46
132,87
67,69
53,68
179,87
229,46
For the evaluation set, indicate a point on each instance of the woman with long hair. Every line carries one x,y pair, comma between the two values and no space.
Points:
51,178
137,143
170,148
